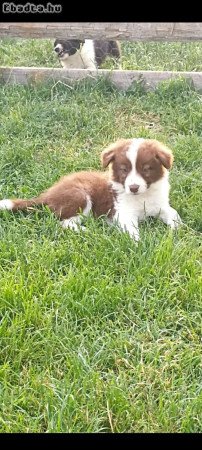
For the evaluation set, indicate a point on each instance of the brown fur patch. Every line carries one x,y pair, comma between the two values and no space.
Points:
152,159
116,154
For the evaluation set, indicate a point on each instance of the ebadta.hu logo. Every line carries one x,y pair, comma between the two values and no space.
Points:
30,8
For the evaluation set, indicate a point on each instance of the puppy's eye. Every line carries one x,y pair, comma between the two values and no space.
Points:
147,168
123,169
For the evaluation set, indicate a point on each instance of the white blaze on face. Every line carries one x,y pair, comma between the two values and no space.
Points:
134,177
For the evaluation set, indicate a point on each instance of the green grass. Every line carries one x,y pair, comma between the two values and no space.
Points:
98,334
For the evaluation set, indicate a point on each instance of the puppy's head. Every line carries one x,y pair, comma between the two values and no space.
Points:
137,163
67,47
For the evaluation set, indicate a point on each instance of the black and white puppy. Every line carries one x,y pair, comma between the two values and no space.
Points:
86,54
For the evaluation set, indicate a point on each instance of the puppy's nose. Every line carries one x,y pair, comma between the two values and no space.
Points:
57,50
134,188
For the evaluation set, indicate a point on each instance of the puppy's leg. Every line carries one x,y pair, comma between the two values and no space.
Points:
132,229
171,217
73,223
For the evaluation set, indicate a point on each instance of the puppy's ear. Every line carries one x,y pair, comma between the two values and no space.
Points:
165,155
108,155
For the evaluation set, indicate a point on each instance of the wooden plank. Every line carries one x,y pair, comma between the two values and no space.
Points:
121,78
131,31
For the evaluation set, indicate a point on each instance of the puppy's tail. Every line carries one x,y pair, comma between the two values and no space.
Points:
19,204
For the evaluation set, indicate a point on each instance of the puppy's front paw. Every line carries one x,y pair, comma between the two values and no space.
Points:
171,217
134,233
175,222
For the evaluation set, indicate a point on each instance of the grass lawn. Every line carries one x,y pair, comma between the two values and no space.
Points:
99,334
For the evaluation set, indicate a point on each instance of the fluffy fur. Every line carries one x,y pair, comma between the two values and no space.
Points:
135,186
86,54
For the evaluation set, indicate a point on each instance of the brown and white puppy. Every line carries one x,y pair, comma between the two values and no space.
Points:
86,54
136,186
